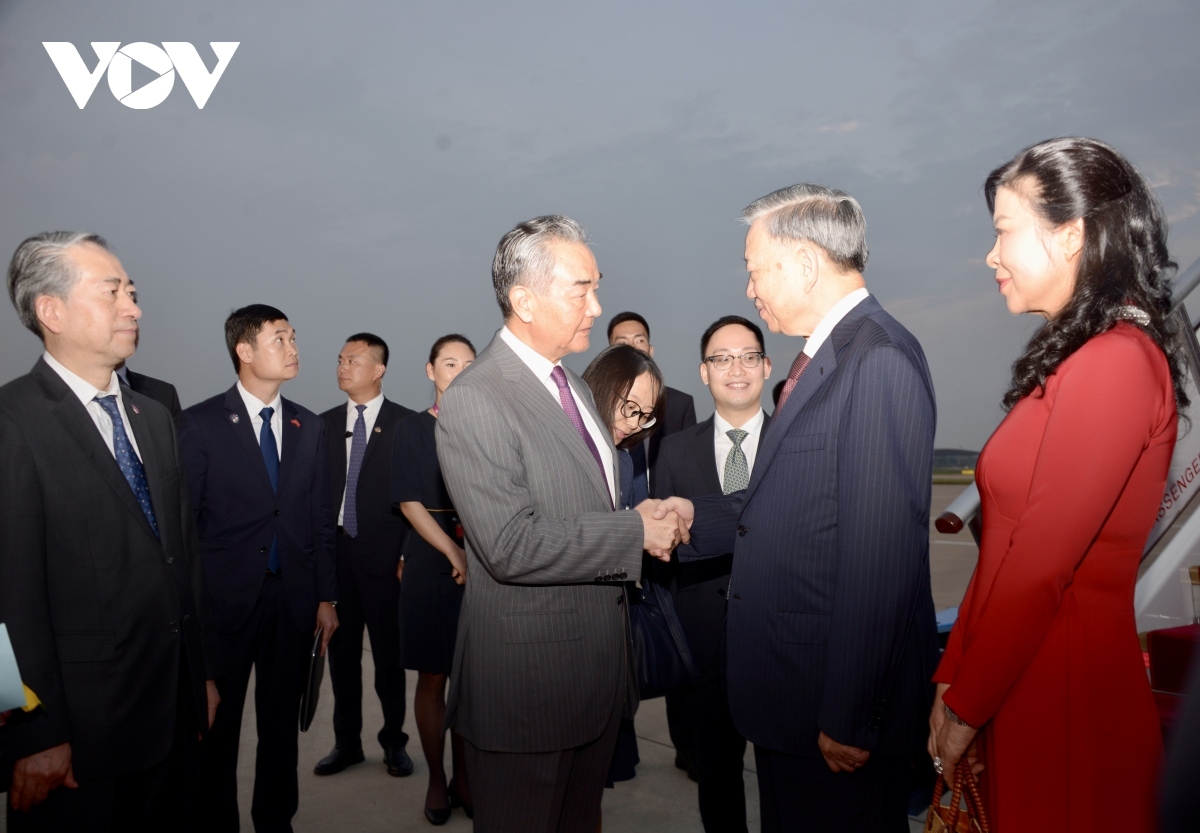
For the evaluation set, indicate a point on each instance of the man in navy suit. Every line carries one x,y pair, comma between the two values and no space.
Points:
258,472
716,457
831,633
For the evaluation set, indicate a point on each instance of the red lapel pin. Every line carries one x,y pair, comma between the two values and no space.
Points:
296,422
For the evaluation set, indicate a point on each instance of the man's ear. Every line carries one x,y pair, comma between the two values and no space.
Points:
809,263
379,371
521,299
704,373
245,352
49,310
766,368
650,350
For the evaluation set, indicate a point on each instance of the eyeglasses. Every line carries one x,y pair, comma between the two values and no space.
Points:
725,360
631,410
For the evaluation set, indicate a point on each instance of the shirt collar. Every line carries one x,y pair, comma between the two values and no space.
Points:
831,319
254,405
82,388
372,406
752,427
535,361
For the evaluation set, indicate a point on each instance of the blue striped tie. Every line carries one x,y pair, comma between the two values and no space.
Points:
127,459
270,453
358,448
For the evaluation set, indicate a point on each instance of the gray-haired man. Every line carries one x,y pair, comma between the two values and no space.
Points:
540,677
100,581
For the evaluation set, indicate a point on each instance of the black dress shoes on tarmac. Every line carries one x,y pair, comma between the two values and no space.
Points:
401,766
339,759
437,817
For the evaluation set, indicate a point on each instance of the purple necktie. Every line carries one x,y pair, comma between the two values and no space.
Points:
572,411
358,448
793,377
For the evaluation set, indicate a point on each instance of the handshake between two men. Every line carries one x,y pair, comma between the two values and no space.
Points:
666,524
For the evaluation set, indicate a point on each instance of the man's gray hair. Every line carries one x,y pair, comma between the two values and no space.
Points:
823,216
523,256
39,266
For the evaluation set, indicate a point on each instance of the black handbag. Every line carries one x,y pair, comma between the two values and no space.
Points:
661,657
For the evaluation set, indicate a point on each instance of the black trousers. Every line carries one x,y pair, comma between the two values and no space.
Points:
159,799
542,792
277,651
719,752
373,603
803,794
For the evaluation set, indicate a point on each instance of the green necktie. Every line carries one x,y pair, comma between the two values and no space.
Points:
737,471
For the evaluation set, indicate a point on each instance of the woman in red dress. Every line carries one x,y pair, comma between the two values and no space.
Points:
1043,681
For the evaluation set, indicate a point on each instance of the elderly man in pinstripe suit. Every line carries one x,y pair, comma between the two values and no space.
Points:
831,640
541,668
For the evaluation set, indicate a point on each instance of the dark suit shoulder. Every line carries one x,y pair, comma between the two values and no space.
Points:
18,390
682,442
334,413
207,407
395,408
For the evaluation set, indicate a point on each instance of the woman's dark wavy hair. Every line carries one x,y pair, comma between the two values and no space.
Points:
610,376
1124,260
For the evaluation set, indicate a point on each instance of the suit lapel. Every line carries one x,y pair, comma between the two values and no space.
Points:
388,413
544,408
704,457
152,455
291,441
239,423
75,419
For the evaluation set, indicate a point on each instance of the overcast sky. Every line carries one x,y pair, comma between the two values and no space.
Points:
358,162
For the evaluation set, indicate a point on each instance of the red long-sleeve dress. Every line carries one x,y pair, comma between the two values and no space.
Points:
1045,654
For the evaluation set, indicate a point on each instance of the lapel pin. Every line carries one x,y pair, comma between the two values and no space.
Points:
378,430
135,410
296,422
233,418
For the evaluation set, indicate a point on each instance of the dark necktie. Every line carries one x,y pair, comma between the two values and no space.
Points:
270,454
358,447
572,411
131,466
794,374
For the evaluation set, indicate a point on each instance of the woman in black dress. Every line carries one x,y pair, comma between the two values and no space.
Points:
626,385
433,572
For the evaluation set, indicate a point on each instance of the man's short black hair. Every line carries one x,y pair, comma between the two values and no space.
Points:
243,326
373,341
725,322
622,317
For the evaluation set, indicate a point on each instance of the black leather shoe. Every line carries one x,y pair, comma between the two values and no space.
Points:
438,817
337,760
400,765
456,802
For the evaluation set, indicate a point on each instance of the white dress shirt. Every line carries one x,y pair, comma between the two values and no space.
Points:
542,368
254,405
722,445
87,393
832,318
369,416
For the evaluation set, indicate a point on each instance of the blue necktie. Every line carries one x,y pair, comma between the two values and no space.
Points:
358,447
270,453
131,466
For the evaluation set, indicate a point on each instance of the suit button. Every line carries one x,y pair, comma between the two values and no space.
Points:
623,576
187,616
263,550
170,559
720,591
608,578
173,627
741,531
599,579
277,513
620,601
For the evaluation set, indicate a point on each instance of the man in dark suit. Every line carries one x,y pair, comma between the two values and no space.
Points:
101,585
161,392
258,472
830,631
676,412
717,456
368,542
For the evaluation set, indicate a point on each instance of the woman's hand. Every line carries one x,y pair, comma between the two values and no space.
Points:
458,566
937,716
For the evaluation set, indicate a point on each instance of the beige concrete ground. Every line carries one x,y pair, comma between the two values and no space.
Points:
365,799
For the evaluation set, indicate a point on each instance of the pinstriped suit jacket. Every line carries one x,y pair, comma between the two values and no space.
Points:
540,662
831,624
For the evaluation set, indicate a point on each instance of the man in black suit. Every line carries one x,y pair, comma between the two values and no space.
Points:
676,412
101,585
258,472
830,629
717,456
369,539
162,392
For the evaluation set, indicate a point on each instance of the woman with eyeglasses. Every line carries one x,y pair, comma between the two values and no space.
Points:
626,385
431,582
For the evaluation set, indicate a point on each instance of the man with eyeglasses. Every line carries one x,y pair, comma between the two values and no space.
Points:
716,457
